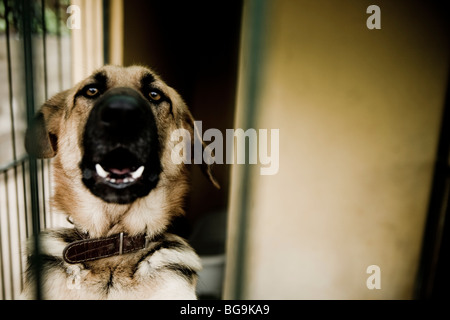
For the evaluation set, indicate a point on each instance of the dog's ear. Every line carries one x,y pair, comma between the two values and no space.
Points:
185,120
195,133
41,138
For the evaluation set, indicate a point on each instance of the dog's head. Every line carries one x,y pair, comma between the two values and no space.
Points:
111,135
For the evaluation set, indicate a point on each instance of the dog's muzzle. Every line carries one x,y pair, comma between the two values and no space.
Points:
121,147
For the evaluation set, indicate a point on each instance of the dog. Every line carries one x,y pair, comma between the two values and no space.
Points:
114,178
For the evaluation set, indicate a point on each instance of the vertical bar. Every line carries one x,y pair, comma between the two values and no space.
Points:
45,69
12,119
8,57
25,215
44,48
438,211
19,233
2,277
257,18
59,44
28,56
8,233
106,4
60,88
2,269
21,207
42,178
25,191
13,140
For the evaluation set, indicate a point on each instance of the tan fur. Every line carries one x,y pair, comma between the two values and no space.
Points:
90,214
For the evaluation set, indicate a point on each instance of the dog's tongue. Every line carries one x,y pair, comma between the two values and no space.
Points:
119,171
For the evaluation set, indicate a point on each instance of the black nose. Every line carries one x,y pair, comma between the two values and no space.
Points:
121,115
121,112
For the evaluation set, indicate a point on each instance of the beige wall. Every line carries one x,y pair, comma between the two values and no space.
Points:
87,41
359,113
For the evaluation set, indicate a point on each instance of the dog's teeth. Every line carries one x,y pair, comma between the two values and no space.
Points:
138,173
100,171
107,175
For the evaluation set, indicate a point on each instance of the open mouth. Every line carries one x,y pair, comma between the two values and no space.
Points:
119,178
120,175
119,169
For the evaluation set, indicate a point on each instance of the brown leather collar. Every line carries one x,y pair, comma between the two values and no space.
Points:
93,249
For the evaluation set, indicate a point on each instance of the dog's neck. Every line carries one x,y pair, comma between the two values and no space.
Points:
102,219
130,219
151,214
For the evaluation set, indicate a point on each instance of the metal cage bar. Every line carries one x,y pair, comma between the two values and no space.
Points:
25,182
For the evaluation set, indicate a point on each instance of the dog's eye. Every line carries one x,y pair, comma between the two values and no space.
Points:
92,91
155,96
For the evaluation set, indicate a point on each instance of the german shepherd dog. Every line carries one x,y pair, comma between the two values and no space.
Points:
114,178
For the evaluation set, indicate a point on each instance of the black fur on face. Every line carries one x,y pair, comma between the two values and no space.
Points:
120,146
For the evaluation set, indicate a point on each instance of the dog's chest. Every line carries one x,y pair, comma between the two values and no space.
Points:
166,268
110,278
112,274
